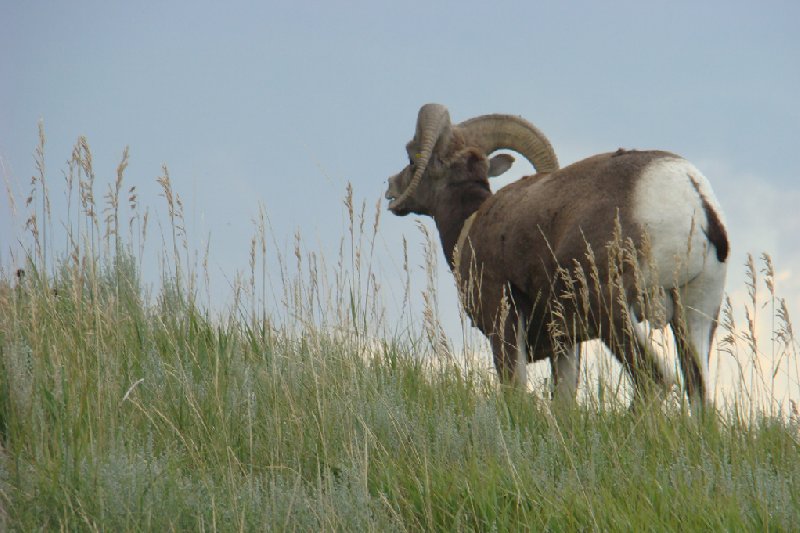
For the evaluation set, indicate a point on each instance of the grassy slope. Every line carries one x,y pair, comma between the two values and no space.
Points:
119,414
119,417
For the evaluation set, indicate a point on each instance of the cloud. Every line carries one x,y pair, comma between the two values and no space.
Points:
763,217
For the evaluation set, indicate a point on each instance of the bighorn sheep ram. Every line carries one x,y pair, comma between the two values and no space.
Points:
539,255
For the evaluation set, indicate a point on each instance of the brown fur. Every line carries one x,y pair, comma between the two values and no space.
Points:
515,249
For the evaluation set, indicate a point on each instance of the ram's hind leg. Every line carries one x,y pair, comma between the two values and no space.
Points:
693,323
639,358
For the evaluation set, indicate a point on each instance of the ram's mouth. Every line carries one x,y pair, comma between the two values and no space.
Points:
394,205
392,197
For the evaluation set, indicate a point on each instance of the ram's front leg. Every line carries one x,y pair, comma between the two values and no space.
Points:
509,348
565,368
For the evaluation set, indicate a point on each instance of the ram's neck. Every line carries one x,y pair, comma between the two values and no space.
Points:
455,204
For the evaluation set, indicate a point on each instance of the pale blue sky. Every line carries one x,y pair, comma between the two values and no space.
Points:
282,104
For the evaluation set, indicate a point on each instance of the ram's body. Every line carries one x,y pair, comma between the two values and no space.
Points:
634,225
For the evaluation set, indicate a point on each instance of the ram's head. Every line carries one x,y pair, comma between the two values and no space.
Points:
442,154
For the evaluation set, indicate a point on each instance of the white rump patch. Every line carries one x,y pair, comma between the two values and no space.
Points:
669,208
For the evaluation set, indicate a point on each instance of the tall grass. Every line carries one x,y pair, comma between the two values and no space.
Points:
301,408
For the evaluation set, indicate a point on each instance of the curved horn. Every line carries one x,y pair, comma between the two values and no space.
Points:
433,120
493,132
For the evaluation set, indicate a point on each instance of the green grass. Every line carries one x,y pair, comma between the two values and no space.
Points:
119,413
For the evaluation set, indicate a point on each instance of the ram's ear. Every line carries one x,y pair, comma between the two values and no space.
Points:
500,164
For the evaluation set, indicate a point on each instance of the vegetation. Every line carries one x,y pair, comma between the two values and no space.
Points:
303,411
